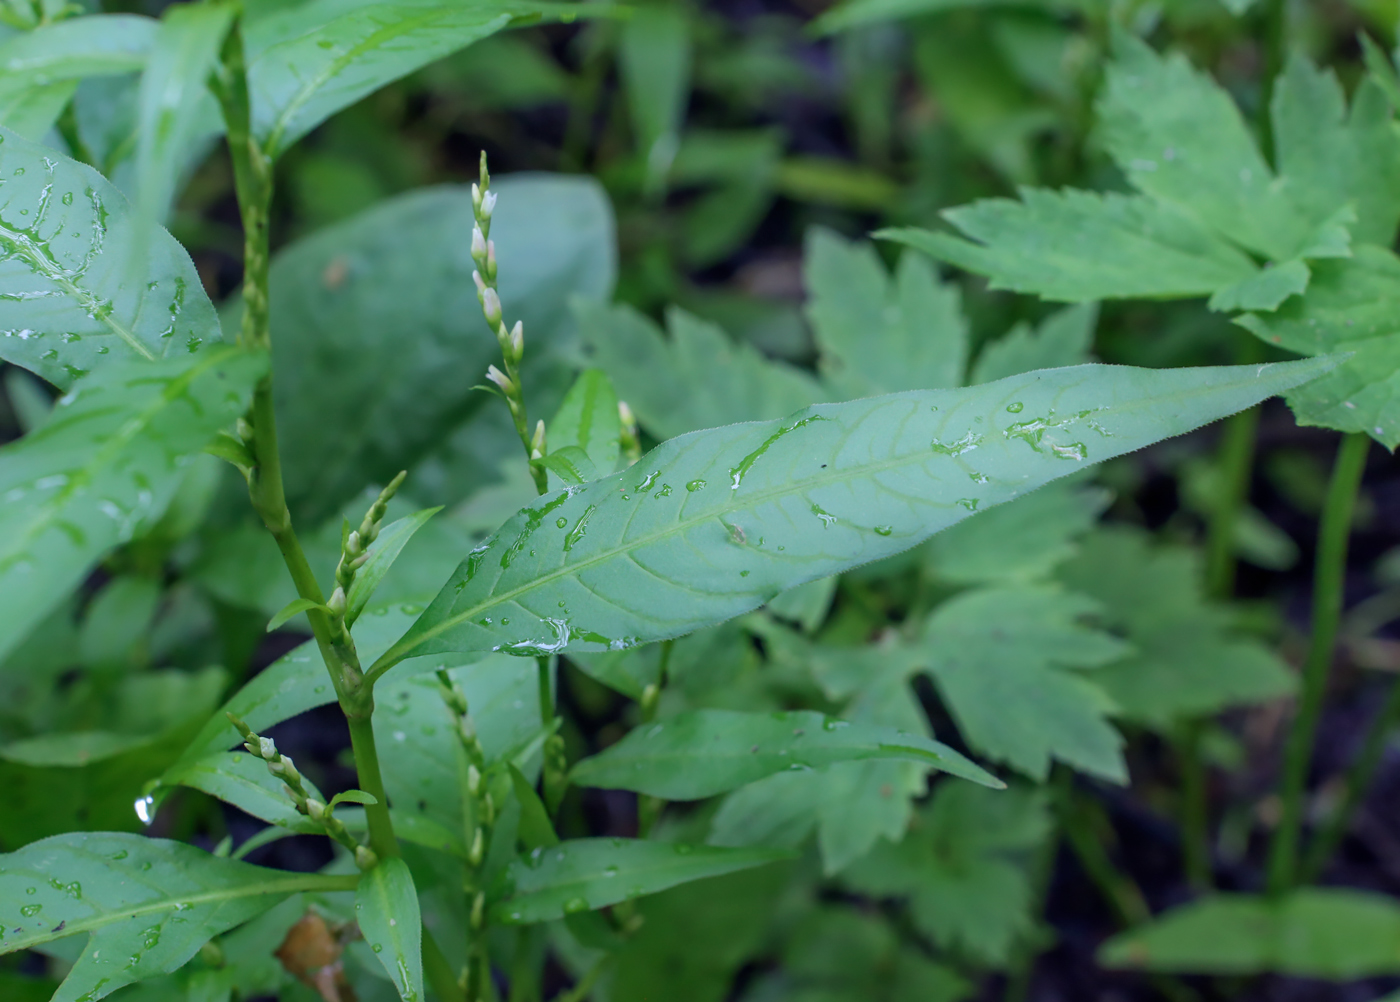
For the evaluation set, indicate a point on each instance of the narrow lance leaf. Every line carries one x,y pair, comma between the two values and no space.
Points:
713,524
386,906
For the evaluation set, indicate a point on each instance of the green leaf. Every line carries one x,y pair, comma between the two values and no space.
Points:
590,873
696,378
654,60
711,525
999,657
386,549
342,298
535,831
1186,659
858,13
108,459
879,335
149,904
806,604
1331,933
1180,138
1332,158
174,101
40,69
242,780
386,907
588,418
1263,290
71,296
570,466
1349,306
706,752
1020,541
291,609
1077,246
965,867
352,797
313,59
1063,338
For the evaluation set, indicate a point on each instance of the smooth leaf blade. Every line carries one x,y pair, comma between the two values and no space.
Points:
386,906
713,524
109,458
386,549
588,418
585,874
72,304
707,752
95,45
292,608
149,904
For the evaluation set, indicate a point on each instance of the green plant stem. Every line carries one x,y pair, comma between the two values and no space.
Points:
1234,465
1356,784
546,689
1118,889
381,828
1328,575
439,972
1195,817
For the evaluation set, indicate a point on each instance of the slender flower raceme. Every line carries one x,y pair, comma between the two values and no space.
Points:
511,339
354,552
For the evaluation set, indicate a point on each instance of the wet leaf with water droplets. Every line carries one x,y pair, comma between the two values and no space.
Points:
386,906
104,465
149,904
591,873
706,752
664,568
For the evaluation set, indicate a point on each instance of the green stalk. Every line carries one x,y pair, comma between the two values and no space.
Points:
1119,891
1356,784
1328,575
1234,465
439,972
381,828
1195,818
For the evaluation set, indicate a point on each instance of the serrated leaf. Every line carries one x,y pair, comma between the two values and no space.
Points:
309,61
184,54
1076,246
71,301
585,874
1349,306
1186,661
382,554
999,657
877,334
292,608
706,752
149,904
588,418
386,907
341,298
1263,290
1319,932
713,524
964,869
695,378
108,459
1063,338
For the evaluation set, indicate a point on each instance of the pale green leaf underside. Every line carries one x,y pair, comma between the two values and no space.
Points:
110,456
69,299
584,874
713,524
1077,246
1333,933
386,907
96,45
707,752
150,904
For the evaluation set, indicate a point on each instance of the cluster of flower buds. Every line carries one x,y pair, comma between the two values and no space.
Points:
285,769
479,807
629,438
505,378
354,551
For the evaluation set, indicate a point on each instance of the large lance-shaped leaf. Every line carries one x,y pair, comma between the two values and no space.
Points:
110,456
712,524
378,337
149,904
706,752
386,906
310,61
68,292
588,873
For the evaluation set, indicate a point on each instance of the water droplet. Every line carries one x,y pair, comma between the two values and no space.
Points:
645,485
67,198
737,473
969,503
378,947
1075,450
883,530
663,492
967,443
610,871
119,854
826,516
575,905
580,527
31,890
695,485
682,849
505,621
1015,408
561,521
29,911
978,478
143,809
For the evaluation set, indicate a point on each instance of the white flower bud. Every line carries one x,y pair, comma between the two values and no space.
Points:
267,750
500,379
473,780
477,852
365,858
491,259
476,197
625,415
336,603
244,429
480,284
315,809
488,204
491,307
478,244
517,341
353,546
